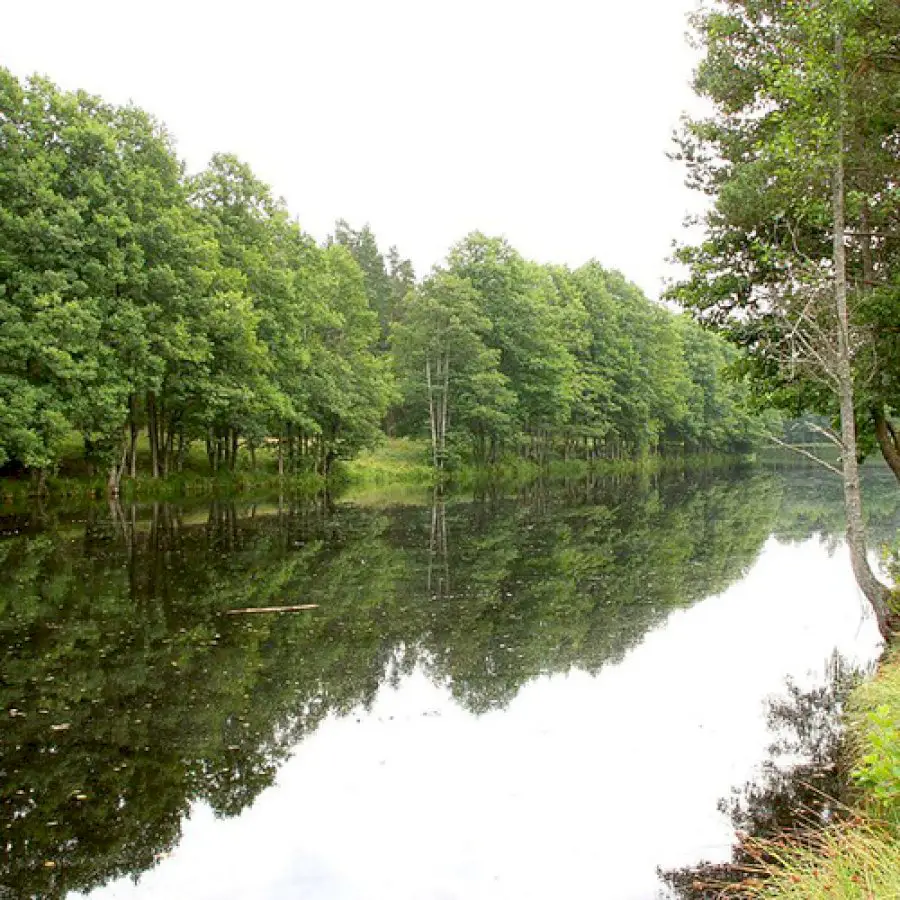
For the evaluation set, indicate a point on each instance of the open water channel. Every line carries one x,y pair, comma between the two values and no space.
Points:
528,693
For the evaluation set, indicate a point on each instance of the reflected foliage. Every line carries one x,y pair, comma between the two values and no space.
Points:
812,505
127,694
802,785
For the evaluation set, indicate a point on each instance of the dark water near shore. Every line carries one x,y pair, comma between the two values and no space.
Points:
523,695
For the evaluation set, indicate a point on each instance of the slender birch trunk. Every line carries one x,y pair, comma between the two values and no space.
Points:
445,408
431,413
874,590
152,434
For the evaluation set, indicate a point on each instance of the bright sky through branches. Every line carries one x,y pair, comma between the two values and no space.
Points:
544,121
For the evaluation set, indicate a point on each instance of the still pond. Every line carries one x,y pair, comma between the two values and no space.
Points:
529,693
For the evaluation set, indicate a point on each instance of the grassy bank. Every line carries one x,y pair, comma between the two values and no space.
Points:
859,858
395,466
396,461
66,490
405,461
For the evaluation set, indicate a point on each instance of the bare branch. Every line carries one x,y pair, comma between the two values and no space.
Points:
827,433
805,453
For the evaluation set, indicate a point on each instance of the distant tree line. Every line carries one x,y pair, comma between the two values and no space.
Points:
136,299
495,352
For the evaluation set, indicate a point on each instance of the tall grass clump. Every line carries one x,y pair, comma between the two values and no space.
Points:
854,860
396,461
857,857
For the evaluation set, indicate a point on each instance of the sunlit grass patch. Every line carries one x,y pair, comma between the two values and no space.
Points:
397,460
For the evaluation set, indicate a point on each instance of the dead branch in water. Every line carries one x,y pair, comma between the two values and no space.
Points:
270,609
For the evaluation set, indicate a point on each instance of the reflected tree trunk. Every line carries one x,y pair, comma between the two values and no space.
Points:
438,581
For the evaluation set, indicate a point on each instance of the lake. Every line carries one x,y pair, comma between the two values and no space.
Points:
526,693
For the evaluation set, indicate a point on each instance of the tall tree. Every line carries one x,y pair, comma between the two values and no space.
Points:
789,81
386,281
771,223
445,366
526,330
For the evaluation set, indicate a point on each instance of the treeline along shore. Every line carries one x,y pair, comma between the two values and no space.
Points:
145,307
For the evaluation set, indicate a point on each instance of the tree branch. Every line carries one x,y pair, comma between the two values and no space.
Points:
805,453
825,432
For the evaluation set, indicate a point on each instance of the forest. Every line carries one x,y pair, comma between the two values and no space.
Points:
141,305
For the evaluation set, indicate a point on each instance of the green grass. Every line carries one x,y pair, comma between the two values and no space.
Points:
404,461
15,493
856,859
396,461
75,482
875,730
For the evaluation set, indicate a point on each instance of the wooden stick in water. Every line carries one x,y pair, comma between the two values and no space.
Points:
271,609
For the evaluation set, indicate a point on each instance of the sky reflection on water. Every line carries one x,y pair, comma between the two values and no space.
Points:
581,787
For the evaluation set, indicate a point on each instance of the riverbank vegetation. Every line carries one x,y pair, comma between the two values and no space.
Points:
800,268
170,323
820,818
858,857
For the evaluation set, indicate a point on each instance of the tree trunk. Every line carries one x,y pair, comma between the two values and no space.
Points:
181,452
876,593
168,455
432,413
445,410
133,426
39,482
116,471
112,482
234,448
153,434
887,440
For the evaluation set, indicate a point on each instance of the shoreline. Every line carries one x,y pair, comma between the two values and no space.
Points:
398,463
858,856
846,844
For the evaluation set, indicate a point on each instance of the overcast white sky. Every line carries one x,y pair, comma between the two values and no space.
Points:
547,121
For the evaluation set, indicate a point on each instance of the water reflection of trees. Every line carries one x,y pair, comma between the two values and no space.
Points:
134,696
801,786
811,505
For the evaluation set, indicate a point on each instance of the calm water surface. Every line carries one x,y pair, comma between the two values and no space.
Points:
521,695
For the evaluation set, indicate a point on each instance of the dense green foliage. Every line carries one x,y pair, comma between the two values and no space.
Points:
136,299
504,354
133,296
801,93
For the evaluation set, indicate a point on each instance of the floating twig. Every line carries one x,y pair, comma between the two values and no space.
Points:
270,609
